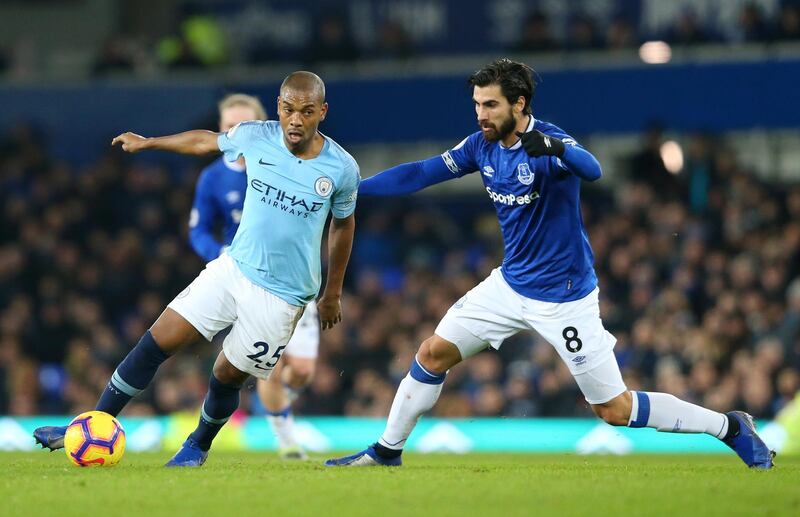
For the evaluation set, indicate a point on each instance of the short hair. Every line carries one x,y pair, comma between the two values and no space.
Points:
241,99
305,81
515,80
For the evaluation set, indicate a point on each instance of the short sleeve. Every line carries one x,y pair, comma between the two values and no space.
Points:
344,198
461,158
234,141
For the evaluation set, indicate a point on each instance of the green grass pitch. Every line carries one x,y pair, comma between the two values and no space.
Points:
258,484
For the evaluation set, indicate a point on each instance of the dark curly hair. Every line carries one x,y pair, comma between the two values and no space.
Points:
515,80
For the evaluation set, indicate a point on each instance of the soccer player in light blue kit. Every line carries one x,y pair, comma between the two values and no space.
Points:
532,171
295,177
219,197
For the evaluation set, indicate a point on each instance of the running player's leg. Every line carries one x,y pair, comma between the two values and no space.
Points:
668,413
577,333
201,310
418,392
294,372
261,329
171,332
220,402
278,393
420,388
486,316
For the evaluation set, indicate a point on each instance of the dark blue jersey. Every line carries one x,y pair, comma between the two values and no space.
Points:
547,252
219,197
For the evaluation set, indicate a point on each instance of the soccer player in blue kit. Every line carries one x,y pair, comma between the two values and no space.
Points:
532,172
260,286
219,197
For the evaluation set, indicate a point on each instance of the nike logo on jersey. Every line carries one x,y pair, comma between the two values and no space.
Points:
262,162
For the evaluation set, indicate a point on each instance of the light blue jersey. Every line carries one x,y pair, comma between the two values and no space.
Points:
277,245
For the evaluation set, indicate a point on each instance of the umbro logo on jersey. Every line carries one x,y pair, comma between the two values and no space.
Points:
488,171
262,162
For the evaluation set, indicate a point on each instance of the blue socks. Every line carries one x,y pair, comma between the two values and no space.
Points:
132,375
640,411
221,401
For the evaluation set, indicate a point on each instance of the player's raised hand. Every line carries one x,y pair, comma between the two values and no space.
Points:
538,144
330,311
130,142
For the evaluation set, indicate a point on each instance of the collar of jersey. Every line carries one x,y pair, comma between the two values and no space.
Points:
518,143
233,165
325,146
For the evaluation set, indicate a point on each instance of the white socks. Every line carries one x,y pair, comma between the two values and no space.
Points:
670,414
417,393
283,427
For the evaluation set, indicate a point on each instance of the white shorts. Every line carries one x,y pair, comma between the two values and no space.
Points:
305,340
261,323
492,311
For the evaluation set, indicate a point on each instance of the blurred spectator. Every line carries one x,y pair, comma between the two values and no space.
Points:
3,61
393,42
115,57
536,34
687,30
753,27
788,26
621,34
332,41
582,34
699,172
200,42
177,53
647,166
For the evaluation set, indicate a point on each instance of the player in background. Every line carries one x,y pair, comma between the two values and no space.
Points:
295,177
532,171
219,197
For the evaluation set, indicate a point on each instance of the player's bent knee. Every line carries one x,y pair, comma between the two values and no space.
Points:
226,373
616,411
172,332
300,375
437,355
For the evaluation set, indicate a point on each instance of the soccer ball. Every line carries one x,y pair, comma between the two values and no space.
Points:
94,439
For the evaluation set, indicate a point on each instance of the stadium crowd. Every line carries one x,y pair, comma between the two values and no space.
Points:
198,38
699,275
332,41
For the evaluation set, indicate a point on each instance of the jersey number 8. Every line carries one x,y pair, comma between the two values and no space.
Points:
572,342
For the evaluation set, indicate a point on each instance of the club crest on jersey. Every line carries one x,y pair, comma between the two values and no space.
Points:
524,174
323,186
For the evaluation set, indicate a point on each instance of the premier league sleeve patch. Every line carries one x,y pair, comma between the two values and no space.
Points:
323,186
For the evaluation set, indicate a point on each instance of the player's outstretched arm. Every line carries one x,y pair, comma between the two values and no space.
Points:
407,178
340,242
197,142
